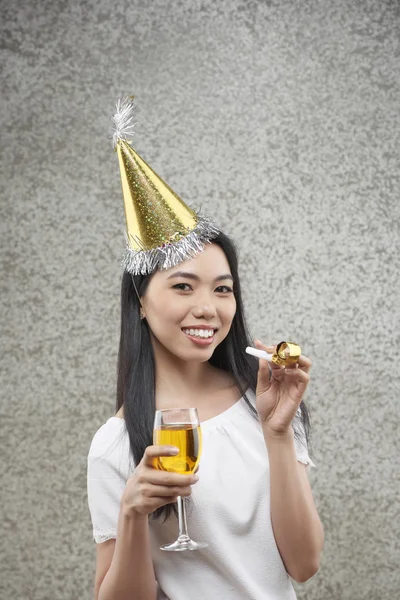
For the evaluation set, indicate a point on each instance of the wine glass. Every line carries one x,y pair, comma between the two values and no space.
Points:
179,427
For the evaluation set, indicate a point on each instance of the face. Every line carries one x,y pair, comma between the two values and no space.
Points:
190,307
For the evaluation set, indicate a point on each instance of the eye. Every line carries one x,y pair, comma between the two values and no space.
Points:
183,287
224,289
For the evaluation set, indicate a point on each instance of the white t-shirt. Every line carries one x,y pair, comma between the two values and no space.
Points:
230,510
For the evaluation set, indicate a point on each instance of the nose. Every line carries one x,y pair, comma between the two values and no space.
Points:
203,311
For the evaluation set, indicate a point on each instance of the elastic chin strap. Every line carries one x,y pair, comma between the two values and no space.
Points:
137,293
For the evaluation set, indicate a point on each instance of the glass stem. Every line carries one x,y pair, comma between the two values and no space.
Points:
183,534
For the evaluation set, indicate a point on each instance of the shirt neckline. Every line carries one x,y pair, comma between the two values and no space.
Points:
208,423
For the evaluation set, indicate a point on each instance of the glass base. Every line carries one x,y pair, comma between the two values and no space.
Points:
183,543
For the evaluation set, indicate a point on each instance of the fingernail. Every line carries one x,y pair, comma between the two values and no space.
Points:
173,450
196,478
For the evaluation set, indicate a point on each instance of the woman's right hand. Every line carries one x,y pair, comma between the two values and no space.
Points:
149,488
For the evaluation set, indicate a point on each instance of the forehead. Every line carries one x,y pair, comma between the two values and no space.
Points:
210,263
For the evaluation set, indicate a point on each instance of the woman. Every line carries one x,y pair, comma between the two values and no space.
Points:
183,340
251,501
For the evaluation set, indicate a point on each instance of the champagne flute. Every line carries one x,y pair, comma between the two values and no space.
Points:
179,427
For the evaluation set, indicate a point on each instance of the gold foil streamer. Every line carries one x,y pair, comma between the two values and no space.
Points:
286,353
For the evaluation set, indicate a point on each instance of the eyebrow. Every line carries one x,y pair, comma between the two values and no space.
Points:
187,275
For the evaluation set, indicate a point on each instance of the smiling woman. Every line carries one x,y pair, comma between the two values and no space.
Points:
188,320
182,345
167,341
166,361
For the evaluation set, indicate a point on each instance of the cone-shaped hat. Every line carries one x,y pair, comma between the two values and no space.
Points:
162,230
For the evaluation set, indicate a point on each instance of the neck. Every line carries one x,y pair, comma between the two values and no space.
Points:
180,380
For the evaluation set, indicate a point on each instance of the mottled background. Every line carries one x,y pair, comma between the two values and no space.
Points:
281,119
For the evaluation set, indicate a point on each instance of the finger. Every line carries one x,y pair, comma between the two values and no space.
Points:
271,350
300,378
161,491
153,452
304,363
294,366
169,479
264,374
161,501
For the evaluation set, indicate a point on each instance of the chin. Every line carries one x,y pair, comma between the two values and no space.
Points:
195,355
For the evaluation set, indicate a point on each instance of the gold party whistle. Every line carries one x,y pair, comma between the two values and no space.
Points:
286,353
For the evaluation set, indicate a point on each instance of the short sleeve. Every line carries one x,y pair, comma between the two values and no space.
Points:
300,441
108,469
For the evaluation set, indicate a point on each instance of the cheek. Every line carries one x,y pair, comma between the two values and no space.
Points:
164,314
228,313
172,312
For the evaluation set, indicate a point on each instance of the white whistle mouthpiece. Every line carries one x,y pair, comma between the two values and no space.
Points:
259,353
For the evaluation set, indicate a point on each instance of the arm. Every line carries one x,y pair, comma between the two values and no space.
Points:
131,574
297,528
124,569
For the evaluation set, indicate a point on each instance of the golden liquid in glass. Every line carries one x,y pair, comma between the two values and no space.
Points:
185,437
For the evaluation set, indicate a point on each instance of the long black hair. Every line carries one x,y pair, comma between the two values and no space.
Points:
136,365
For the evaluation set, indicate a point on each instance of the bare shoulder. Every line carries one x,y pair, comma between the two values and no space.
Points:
104,556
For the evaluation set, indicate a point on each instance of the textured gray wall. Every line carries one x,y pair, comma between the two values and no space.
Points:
282,120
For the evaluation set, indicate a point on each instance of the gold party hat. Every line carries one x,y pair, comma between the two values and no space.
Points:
162,230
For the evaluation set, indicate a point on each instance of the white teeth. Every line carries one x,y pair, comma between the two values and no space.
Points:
204,333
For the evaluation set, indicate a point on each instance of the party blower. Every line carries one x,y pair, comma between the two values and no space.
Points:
286,353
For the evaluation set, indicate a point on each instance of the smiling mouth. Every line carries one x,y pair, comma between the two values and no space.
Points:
200,337
199,333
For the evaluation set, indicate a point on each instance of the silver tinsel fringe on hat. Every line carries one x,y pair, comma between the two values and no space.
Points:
144,262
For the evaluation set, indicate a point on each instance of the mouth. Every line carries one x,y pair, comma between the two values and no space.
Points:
200,337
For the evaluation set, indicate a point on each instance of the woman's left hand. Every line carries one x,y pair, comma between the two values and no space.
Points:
280,391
